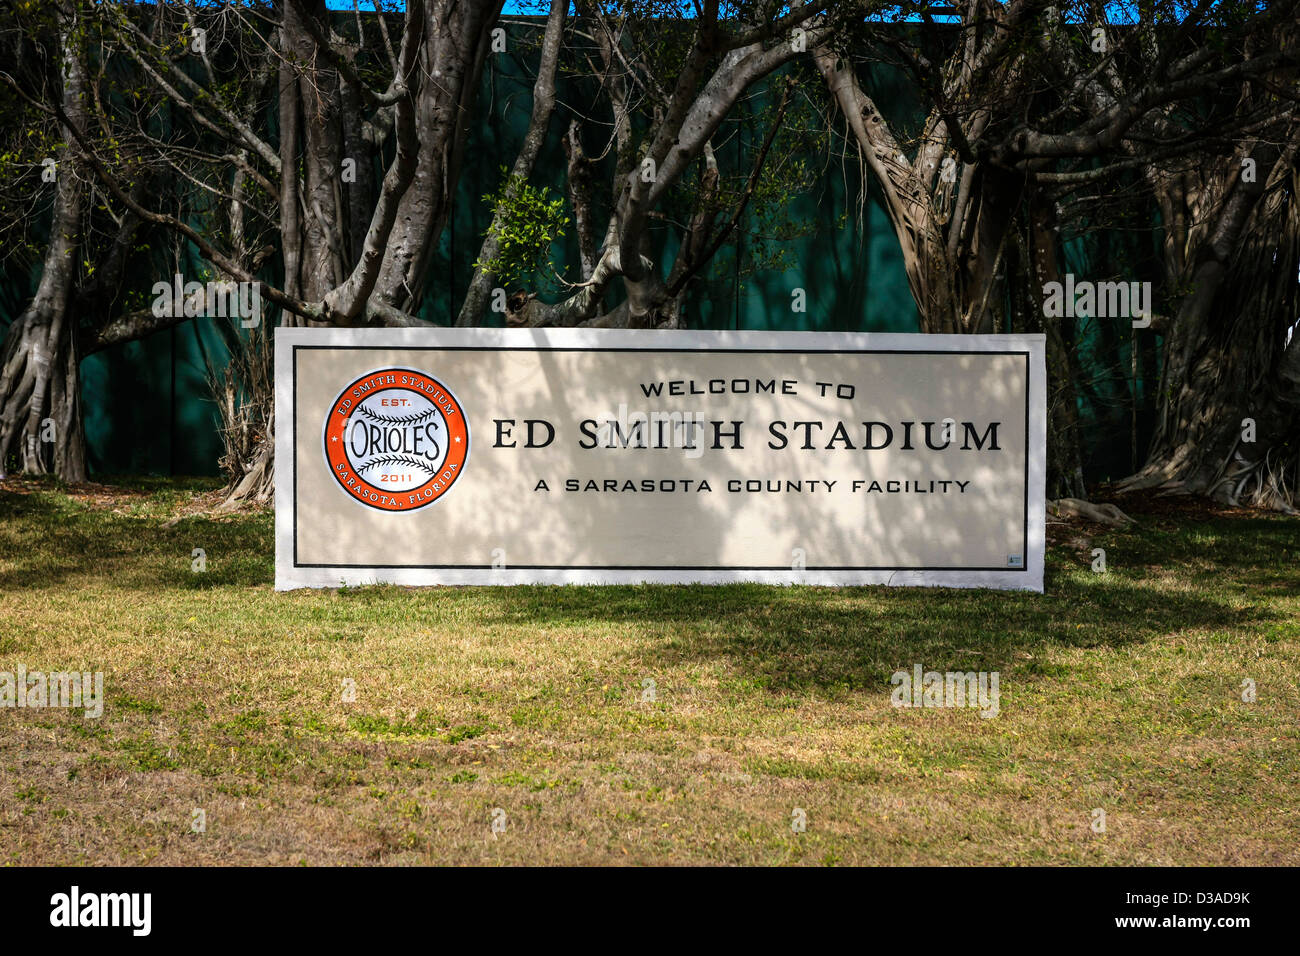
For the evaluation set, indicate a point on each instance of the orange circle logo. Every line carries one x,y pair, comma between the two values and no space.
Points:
396,439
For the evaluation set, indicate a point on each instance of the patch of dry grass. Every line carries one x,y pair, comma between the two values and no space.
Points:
1119,692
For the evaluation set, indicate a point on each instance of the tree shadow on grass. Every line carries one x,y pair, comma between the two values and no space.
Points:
1259,556
49,540
780,638
853,638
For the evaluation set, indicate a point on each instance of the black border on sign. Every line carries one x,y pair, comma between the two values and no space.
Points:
1024,550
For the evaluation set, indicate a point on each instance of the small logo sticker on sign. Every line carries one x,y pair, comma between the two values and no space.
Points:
1015,561
396,439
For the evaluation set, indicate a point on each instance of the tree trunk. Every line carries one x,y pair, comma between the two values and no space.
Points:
1064,453
1229,419
474,308
40,389
40,402
456,41
952,228
450,40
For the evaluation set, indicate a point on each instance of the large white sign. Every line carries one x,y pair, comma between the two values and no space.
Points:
492,456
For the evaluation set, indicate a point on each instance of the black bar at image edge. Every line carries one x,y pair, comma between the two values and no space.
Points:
1216,906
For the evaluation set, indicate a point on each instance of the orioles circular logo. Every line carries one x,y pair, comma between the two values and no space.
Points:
396,439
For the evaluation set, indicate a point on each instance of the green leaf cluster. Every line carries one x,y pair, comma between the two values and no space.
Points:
526,221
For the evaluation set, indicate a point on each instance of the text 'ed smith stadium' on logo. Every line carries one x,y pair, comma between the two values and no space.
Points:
396,439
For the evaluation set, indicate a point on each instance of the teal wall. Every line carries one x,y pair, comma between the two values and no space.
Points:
148,409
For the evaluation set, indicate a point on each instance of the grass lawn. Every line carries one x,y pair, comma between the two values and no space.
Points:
1119,691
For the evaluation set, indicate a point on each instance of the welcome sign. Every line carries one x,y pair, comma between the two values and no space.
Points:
509,456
